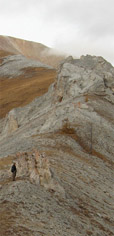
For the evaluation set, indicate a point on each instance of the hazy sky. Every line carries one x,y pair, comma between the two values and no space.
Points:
77,27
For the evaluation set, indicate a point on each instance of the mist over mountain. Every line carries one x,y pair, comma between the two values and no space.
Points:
58,126
29,49
22,64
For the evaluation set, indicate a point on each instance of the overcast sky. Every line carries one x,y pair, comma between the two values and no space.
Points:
77,27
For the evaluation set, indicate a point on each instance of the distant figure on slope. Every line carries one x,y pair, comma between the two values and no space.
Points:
13,170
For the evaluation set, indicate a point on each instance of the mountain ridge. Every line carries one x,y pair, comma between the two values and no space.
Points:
30,49
62,143
20,74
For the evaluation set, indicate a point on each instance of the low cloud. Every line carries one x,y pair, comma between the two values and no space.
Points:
74,26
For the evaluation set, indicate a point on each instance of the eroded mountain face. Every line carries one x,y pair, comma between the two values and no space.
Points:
73,125
29,49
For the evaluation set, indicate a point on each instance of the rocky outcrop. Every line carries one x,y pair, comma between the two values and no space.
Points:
36,166
87,75
10,124
67,191
81,98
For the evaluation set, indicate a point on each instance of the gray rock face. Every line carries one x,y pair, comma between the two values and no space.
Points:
74,125
82,98
14,65
88,74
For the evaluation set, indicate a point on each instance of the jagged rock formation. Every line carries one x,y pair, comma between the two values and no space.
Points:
87,75
73,124
79,98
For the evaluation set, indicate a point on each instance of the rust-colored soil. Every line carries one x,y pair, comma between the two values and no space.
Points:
22,90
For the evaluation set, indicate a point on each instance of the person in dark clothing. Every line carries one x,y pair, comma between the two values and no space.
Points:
13,170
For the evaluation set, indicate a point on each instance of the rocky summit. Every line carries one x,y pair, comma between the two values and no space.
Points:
63,146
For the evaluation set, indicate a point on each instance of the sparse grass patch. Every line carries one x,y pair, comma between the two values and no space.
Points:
88,232
102,157
21,90
69,130
86,98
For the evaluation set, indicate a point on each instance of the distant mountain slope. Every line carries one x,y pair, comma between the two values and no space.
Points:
33,50
22,80
24,74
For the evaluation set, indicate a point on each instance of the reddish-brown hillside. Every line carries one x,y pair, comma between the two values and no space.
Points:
33,50
20,90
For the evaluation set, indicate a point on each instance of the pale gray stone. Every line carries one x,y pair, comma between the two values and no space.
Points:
74,125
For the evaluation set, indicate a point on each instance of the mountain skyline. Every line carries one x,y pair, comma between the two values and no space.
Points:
71,26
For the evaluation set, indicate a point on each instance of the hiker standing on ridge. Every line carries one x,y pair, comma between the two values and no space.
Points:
13,170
